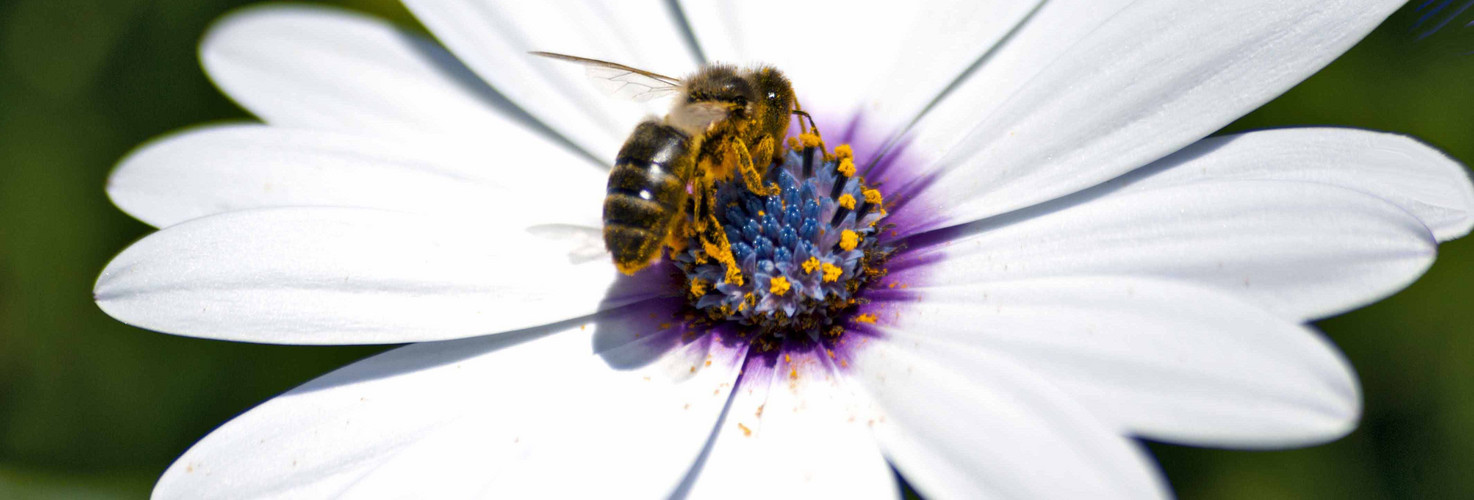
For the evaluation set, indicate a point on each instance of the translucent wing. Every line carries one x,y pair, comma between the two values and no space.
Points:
622,81
584,244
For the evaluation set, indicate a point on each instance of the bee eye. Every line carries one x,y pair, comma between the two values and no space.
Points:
772,96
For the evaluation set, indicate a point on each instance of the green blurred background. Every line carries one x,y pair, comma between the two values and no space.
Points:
90,408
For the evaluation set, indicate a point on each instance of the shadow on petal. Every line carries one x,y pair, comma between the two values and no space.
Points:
467,79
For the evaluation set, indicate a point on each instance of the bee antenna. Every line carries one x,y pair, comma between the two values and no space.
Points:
812,125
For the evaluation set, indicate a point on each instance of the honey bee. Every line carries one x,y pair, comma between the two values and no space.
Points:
723,120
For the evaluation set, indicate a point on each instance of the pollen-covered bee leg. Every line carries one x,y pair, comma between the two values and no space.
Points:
679,235
750,175
767,150
714,241
708,229
701,208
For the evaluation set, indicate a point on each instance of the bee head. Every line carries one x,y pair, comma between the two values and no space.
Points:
774,102
723,85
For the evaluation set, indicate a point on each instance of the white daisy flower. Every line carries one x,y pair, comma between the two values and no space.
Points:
1065,263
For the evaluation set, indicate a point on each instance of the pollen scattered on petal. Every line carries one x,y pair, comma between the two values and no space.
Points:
846,167
812,264
745,431
865,318
831,272
779,286
848,240
847,201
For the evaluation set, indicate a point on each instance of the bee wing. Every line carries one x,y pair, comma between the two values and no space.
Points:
583,244
622,81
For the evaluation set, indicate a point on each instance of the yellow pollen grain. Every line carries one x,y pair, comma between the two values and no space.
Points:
812,264
865,318
848,240
847,201
847,167
734,275
831,272
844,151
745,430
778,285
872,196
787,358
793,373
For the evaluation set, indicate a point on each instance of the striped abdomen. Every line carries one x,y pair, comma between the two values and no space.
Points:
647,189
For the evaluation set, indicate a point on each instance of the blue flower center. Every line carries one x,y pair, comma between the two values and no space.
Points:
802,251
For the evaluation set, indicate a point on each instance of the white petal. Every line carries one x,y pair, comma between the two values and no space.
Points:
226,168
500,416
1302,250
793,430
347,276
494,37
324,68
1399,169
888,60
1164,360
1043,36
1155,77
993,431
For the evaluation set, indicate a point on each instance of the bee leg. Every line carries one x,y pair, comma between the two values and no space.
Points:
767,149
750,176
718,248
679,235
709,231
700,206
